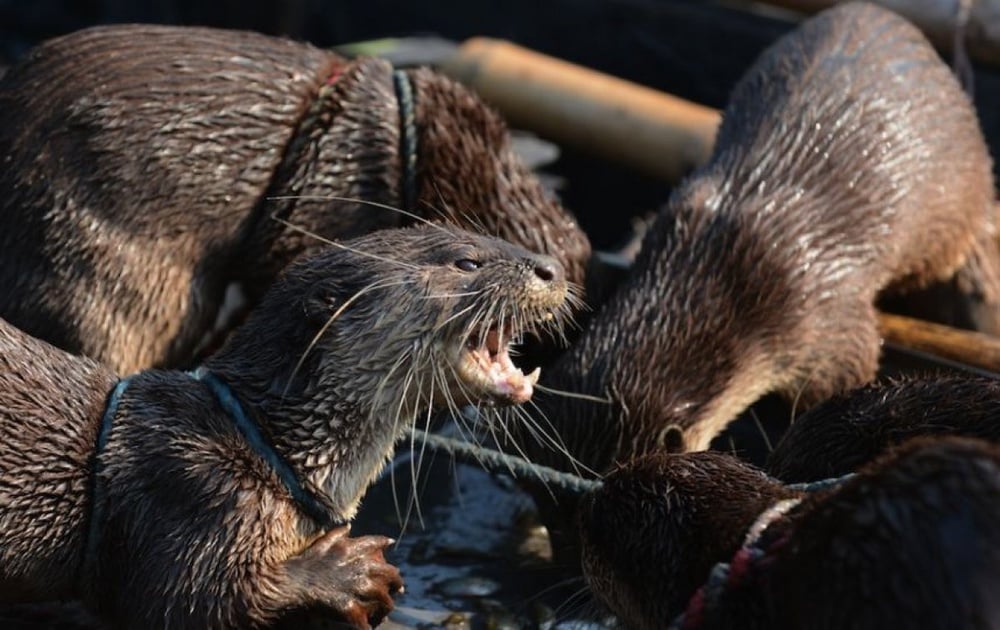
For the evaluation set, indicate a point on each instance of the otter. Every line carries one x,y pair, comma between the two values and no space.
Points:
848,430
910,542
148,169
844,147
221,497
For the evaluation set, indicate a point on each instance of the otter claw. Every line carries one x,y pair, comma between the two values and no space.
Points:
348,575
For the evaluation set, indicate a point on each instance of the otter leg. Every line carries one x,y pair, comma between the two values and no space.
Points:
348,575
969,299
977,284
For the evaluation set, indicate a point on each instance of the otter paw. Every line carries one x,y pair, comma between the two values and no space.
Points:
349,575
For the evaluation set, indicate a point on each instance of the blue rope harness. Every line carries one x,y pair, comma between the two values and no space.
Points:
407,139
307,501
96,512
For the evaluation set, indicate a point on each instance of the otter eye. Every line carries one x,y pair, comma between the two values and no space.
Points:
467,264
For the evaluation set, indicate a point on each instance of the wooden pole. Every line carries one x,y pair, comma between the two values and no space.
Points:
656,133
966,346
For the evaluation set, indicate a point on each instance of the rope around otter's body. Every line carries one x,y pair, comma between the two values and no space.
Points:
749,557
307,502
407,139
96,467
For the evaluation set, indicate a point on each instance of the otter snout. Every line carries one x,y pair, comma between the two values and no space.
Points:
548,269
546,283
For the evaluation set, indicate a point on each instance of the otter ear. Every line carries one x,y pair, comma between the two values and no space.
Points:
321,301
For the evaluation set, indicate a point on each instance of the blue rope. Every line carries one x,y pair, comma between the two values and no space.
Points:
110,411
306,501
407,139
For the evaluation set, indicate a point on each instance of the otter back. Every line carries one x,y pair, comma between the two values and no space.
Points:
849,161
144,167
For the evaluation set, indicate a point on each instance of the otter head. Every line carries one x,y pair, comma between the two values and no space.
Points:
694,334
654,530
353,344
468,174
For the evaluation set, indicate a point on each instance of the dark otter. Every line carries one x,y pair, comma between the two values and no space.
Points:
843,433
198,518
142,166
911,542
845,146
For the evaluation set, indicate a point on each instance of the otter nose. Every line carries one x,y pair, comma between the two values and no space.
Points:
548,269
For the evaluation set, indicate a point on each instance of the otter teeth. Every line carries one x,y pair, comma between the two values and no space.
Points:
492,370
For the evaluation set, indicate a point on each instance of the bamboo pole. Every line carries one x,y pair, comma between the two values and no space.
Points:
655,133
966,346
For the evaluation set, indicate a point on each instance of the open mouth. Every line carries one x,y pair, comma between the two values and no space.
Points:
485,365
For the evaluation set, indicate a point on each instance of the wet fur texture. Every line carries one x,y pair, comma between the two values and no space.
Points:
665,521
348,349
142,166
911,542
851,429
843,148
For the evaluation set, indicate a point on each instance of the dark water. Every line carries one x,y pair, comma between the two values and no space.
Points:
474,556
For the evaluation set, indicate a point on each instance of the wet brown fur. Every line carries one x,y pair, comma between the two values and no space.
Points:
141,166
661,522
849,161
851,429
343,354
911,542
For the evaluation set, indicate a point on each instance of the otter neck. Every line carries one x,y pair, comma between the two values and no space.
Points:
322,423
307,501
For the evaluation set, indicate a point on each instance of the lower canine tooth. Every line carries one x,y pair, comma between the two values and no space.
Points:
533,376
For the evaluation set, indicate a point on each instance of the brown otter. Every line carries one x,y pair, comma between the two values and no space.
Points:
910,542
843,433
845,145
142,166
212,499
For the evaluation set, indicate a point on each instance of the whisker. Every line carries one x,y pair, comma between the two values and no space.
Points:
576,395
367,202
332,243
554,439
438,296
407,381
760,427
573,603
798,394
